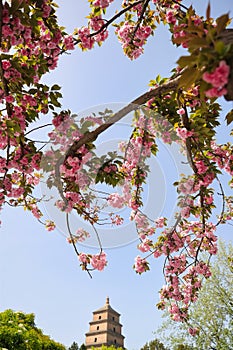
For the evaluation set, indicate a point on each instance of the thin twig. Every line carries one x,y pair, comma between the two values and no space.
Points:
139,20
107,23
181,5
73,243
98,239
37,128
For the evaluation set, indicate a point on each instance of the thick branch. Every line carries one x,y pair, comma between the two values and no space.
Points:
141,100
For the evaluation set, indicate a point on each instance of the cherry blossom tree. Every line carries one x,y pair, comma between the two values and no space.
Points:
182,109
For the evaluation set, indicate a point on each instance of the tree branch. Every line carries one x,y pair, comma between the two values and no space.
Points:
140,19
141,100
188,142
105,25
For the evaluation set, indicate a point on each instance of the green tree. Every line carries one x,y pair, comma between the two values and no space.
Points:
112,347
74,346
82,347
19,332
154,345
211,318
184,347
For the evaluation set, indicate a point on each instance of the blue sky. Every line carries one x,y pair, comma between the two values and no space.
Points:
39,270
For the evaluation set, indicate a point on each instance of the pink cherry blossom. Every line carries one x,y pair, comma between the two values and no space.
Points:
98,261
181,111
115,200
193,331
140,265
170,17
160,222
86,41
83,258
218,79
183,133
50,225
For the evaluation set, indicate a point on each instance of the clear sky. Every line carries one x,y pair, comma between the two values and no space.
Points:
39,271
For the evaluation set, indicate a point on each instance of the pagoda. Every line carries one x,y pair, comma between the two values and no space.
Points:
105,328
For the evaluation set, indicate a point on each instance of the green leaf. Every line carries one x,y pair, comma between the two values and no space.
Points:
198,43
229,117
154,149
185,61
32,91
222,22
56,87
219,47
53,100
189,76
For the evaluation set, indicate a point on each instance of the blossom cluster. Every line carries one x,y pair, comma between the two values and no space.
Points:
31,42
72,171
180,295
80,236
218,79
183,273
133,40
97,261
101,3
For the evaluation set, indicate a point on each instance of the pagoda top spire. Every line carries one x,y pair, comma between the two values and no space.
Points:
107,301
